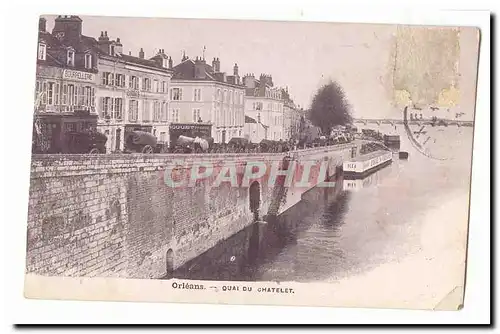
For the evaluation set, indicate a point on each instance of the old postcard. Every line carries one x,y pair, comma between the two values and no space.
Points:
251,162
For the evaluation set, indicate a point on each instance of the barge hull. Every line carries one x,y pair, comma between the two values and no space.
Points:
351,175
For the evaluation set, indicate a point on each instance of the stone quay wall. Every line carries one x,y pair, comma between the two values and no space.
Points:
114,216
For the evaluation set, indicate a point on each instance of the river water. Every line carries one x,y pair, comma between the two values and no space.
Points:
334,233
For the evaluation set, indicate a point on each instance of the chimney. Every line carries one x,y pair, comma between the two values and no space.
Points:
71,26
141,53
104,43
118,47
216,65
42,24
199,69
184,57
170,62
249,81
235,70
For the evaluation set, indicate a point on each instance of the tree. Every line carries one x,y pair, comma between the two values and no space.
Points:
330,108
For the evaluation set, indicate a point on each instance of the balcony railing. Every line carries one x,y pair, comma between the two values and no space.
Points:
46,108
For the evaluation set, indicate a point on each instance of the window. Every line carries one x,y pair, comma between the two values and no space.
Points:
56,94
156,86
163,136
230,96
38,89
71,95
146,111
133,110
146,84
156,111
197,94
92,97
133,82
70,127
88,60
196,115
105,105
108,78
119,80
176,94
175,115
258,118
87,92
42,51
225,96
118,108
71,58
50,93
81,95
239,133
64,99
218,95
164,114
163,87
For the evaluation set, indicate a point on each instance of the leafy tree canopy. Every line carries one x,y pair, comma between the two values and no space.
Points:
330,108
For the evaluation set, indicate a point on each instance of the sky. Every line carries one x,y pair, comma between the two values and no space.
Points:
299,55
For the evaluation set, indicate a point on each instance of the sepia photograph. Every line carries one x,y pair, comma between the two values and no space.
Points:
251,162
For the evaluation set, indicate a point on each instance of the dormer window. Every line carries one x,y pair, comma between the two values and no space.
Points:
71,58
42,51
88,60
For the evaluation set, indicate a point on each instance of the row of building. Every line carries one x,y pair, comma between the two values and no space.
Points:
83,82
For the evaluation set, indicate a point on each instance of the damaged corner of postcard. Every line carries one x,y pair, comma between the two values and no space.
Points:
331,172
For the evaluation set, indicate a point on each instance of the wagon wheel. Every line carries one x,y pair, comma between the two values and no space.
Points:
94,150
147,149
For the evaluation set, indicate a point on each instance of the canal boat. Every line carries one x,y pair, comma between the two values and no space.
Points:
363,165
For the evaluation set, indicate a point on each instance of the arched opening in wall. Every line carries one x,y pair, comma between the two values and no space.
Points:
254,193
170,262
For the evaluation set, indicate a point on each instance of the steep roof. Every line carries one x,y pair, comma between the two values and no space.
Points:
142,61
186,71
56,49
81,45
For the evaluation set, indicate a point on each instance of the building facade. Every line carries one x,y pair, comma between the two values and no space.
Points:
205,100
255,132
132,93
263,103
291,114
66,83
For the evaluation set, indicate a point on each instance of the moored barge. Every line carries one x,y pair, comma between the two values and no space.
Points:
363,165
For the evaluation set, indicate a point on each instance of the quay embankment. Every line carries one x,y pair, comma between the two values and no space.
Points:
114,216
